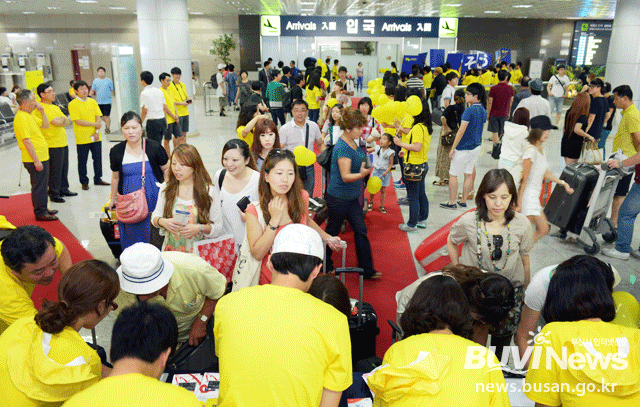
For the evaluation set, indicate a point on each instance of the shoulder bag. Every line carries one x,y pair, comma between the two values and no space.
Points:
132,207
324,158
302,171
448,137
246,272
413,172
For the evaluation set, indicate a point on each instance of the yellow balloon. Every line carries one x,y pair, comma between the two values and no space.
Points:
374,185
331,102
379,89
414,105
375,112
371,83
383,99
369,90
379,81
627,309
304,157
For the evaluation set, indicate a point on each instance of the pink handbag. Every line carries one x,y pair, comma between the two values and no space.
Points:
132,207
219,253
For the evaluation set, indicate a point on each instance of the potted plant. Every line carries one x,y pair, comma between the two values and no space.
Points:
222,47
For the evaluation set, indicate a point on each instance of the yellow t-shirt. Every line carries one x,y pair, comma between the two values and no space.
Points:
133,390
486,78
437,376
15,295
418,134
248,139
28,127
193,280
39,369
311,97
280,346
86,110
427,80
407,123
469,79
334,73
56,136
630,123
581,383
394,70
72,92
170,102
516,76
495,80
179,93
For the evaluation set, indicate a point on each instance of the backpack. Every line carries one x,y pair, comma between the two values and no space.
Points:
287,102
214,81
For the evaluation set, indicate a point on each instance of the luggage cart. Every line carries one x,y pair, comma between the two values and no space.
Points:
595,221
209,96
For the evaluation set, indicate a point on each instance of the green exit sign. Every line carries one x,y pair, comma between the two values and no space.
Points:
585,27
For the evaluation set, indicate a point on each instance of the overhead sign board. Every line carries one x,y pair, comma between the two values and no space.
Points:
448,28
312,26
270,26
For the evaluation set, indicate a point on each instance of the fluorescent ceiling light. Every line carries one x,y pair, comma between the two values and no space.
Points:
86,1
523,6
53,8
492,12
196,13
307,3
452,5
28,12
86,12
118,8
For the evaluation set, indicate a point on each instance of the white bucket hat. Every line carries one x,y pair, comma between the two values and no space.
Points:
143,270
300,239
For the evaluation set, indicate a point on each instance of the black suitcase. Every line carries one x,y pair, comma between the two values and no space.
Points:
569,211
363,324
318,210
201,358
107,227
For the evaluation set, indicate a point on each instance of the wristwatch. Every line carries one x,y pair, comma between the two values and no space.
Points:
203,318
272,227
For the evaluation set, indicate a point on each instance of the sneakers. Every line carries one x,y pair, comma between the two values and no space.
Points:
398,182
400,185
382,210
421,225
615,254
370,206
406,228
635,253
446,205
403,201
462,204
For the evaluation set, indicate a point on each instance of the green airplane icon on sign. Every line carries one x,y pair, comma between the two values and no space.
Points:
446,27
268,24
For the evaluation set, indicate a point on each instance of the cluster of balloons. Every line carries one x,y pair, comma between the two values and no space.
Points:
304,157
386,111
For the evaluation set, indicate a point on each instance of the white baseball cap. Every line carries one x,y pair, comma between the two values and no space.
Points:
221,66
300,239
143,270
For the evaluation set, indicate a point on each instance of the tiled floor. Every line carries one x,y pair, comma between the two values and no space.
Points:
79,214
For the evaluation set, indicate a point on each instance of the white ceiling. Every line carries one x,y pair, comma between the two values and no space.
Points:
556,9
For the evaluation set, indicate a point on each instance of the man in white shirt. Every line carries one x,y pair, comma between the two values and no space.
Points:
536,104
447,93
557,89
153,108
348,88
302,132
222,89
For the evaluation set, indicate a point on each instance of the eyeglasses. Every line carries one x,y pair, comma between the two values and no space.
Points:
496,254
280,152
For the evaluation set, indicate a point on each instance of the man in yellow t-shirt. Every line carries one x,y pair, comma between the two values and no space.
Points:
143,338
56,137
277,344
516,72
171,114
30,257
334,70
35,151
427,77
85,114
181,99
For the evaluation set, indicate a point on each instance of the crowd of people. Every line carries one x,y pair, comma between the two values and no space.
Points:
259,199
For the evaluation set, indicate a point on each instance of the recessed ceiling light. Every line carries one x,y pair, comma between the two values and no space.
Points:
196,13
118,8
523,6
307,3
492,12
452,5
28,12
86,12
86,1
53,8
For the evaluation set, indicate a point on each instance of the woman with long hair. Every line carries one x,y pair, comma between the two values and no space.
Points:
329,133
415,147
372,131
450,120
428,367
578,309
345,186
236,181
535,169
188,206
44,360
394,68
247,119
266,138
313,95
514,143
575,129
497,239
127,159
282,201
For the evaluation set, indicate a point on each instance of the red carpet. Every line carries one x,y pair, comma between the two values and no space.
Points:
19,211
392,257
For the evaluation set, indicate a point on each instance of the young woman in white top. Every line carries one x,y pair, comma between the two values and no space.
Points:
535,168
237,180
188,207
514,142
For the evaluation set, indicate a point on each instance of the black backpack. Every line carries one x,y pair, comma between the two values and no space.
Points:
214,81
287,102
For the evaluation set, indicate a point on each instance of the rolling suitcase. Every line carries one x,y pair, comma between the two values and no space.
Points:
568,211
201,358
318,210
363,323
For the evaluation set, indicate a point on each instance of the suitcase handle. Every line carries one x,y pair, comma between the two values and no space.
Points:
345,270
106,211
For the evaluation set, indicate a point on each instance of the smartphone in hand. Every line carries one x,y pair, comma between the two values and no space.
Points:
243,203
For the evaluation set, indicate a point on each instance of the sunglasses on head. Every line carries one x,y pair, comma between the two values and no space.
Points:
496,254
280,152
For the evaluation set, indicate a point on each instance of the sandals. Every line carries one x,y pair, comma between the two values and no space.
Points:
439,183
370,206
382,210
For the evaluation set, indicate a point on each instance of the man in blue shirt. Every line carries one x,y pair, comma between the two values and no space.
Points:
466,147
102,89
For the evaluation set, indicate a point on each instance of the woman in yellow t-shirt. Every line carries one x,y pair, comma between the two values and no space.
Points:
415,147
603,366
247,119
428,367
313,96
44,360
394,67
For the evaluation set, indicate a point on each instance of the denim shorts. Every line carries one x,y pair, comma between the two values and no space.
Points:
385,179
556,104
